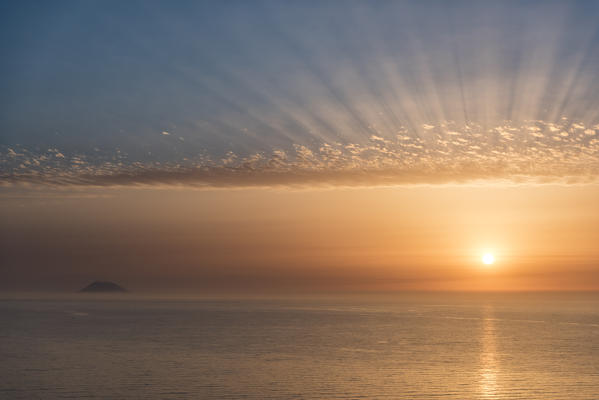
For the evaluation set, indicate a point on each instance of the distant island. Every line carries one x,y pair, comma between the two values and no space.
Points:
103,287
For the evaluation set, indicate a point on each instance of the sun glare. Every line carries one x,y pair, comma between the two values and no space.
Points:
488,258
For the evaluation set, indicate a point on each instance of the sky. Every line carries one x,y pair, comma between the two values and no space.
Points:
299,146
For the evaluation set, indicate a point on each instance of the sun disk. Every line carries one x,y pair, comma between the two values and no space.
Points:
488,258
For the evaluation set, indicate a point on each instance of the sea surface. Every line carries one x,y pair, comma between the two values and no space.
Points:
418,346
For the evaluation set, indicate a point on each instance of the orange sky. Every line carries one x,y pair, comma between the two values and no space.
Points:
169,156
312,240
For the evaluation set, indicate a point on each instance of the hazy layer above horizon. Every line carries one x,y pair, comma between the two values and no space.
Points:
269,241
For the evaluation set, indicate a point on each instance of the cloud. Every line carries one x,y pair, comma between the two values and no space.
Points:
245,178
508,153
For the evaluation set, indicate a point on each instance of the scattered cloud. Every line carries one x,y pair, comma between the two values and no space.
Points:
509,152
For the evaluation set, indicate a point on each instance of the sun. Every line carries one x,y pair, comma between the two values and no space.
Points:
488,258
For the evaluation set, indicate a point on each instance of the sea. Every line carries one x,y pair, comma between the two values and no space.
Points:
400,346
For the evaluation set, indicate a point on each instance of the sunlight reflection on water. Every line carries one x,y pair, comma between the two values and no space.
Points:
489,364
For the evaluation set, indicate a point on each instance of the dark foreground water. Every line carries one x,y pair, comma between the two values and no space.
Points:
409,347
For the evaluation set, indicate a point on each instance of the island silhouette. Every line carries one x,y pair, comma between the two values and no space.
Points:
103,287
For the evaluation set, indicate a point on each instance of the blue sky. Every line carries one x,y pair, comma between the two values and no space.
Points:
328,90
